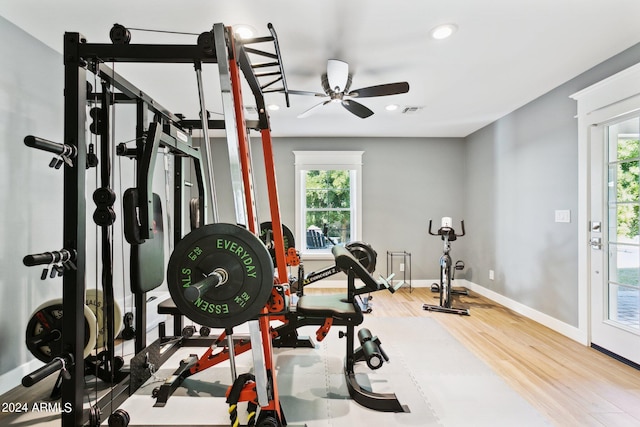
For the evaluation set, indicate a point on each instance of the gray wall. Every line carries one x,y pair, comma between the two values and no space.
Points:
406,181
520,169
31,219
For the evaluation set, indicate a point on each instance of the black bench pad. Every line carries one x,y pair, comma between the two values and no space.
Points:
334,306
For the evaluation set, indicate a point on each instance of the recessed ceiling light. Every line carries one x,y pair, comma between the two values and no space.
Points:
273,107
443,31
391,107
244,31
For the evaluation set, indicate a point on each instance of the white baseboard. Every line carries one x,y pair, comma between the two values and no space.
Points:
11,379
544,319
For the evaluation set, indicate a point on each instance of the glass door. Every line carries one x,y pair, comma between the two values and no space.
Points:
615,240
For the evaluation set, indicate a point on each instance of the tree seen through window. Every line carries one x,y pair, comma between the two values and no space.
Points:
628,187
328,206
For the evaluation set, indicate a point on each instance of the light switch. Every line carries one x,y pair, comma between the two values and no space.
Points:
563,216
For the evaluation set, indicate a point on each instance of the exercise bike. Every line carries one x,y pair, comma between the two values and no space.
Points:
448,235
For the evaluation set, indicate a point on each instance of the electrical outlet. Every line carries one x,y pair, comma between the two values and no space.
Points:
491,275
402,266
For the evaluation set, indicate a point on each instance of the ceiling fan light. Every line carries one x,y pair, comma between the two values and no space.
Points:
337,74
444,31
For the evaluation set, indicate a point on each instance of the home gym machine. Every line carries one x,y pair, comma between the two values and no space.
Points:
448,235
219,275
167,131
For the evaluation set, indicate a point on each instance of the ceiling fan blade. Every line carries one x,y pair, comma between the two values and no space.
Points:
357,108
337,74
312,110
380,90
307,93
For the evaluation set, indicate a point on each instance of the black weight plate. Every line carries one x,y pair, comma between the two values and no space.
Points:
289,241
287,235
364,253
44,331
241,255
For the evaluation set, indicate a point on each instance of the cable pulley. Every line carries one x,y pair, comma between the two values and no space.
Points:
119,34
220,275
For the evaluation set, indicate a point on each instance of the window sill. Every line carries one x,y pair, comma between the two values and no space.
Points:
317,256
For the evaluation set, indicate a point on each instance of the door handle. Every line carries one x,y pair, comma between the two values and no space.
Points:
596,243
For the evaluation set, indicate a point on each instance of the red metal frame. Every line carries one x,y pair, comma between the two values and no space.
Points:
274,204
245,161
247,177
243,140
209,359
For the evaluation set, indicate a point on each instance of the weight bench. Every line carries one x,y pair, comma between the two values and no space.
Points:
343,310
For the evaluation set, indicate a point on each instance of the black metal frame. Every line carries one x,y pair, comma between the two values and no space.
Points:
407,265
80,57
74,228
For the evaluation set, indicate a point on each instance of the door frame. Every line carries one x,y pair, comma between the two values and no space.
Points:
599,103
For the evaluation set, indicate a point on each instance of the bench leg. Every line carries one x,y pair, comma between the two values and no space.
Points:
177,325
384,402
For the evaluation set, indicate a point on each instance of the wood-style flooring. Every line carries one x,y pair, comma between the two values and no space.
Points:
571,384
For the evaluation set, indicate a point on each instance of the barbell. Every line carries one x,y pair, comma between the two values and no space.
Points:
220,275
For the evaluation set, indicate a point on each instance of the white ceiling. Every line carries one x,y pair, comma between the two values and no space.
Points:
504,54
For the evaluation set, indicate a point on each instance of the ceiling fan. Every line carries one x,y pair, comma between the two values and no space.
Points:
336,83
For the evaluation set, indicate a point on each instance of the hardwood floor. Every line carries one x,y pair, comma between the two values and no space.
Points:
569,383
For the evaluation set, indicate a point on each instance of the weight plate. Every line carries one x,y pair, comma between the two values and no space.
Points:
239,257
44,331
267,238
95,301
364,253
289,241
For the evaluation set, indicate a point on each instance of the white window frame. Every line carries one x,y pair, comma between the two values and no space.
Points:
326,160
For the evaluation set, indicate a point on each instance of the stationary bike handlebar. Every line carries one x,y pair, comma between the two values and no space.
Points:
452,231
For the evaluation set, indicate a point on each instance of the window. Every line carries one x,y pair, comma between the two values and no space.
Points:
328,200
